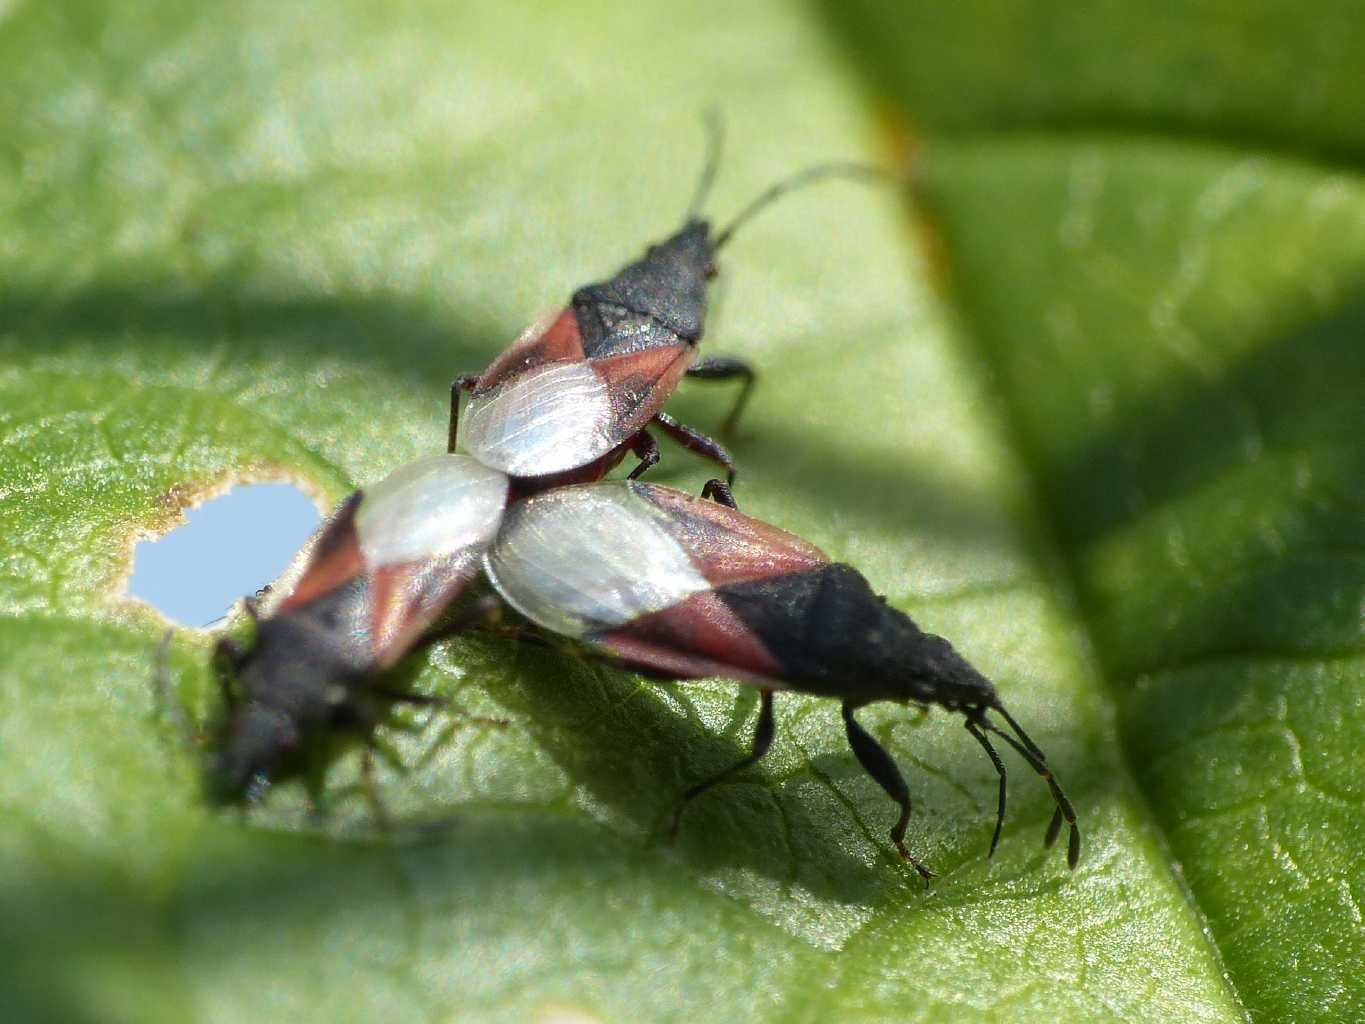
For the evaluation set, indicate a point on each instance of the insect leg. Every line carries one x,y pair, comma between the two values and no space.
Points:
462,383
534,637
878,763
991,752
425,700
646,449
763,739
371,790
317,803
696,441
485,615
483,612
719,492
727,368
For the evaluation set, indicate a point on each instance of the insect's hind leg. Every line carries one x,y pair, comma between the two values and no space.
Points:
763,739
879,764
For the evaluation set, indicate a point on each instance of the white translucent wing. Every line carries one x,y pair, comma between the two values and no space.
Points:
580,559
551,418
432,507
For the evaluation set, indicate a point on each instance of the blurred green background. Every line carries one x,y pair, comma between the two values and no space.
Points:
1088,402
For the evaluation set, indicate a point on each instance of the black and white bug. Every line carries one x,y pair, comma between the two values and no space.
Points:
381,572
649,577
680,587
585,383
564,404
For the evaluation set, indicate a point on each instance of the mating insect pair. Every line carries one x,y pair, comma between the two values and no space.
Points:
651,578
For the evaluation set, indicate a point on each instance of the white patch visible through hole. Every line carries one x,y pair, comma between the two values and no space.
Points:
232,546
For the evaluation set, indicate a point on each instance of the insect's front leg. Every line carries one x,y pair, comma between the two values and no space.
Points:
880,765
727,368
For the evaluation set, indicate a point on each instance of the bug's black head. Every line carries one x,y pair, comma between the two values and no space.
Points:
834,636
933,672
256,742
657,300
941,675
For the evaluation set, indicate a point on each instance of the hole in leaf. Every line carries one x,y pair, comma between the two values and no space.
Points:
231,546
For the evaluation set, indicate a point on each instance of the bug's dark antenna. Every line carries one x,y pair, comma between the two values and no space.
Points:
809,176
1029,751
984,740
715,143
165,691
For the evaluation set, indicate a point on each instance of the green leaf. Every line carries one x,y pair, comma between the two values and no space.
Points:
1096,419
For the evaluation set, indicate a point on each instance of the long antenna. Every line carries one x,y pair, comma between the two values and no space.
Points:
1029,751
715,143
985,742
809,176
165,689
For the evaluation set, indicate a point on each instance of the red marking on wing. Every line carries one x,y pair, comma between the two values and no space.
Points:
640,382
407,599
726,545
552,338
697,637
335,559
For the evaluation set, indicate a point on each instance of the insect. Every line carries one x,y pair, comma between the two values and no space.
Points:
681,587
383,570
563,405
586,382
